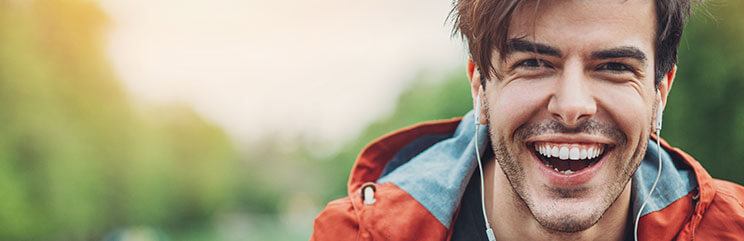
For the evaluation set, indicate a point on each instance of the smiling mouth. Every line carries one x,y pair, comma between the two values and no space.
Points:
569,158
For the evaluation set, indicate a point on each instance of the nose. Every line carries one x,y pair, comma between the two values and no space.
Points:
572,99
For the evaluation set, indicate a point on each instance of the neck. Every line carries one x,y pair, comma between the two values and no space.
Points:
511,219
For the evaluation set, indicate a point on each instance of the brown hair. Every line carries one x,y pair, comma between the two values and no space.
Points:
475,21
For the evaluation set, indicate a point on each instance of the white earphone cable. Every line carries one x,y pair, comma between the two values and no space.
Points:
658,174
489,231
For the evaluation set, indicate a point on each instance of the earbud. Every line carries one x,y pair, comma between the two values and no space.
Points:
477,110
659,112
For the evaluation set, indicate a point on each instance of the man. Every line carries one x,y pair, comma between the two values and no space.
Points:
571,92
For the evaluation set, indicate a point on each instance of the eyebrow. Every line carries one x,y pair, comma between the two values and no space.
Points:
521,45
620,52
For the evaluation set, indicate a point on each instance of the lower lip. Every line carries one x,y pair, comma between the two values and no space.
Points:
566,180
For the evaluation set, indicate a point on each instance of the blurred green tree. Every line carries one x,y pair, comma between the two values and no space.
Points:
77,157
705,114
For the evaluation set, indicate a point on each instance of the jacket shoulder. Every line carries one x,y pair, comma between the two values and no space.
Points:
336,222
392,214
724,217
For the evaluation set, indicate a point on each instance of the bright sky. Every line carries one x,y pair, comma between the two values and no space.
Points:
322,67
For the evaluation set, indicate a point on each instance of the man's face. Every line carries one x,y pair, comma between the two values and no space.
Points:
569,122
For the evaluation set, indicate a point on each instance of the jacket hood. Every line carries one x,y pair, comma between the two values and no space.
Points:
433,162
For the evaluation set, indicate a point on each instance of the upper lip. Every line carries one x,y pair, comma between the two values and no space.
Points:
572,138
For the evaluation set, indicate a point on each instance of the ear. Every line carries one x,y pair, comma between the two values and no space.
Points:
666,86
474,78
476,89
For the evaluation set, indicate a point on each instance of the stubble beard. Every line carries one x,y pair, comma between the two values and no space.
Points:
505,154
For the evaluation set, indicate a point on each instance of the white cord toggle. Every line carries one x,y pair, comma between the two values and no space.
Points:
489,233
368,194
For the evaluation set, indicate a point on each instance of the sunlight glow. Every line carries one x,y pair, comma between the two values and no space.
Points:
324,68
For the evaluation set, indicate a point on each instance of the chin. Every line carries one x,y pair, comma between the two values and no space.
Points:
567,215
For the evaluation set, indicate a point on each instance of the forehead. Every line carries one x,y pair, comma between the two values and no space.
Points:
586,25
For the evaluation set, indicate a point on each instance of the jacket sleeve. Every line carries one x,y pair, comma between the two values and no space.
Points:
336,222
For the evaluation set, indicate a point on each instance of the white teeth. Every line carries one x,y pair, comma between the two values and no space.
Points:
567,172
569,152
573,154
563,153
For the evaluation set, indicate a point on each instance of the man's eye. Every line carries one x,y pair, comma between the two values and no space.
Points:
618,67
532,63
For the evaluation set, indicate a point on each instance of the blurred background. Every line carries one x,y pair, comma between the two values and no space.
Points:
239,120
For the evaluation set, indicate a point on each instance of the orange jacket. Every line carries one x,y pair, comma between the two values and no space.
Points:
409,183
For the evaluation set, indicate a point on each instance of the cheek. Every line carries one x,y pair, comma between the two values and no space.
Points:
628,109
515,104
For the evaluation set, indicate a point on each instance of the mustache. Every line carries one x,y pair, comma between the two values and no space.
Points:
586,126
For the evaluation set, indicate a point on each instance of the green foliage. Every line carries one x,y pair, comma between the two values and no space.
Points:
77,158
706,108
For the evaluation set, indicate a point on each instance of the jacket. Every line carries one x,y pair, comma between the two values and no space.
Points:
415,178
